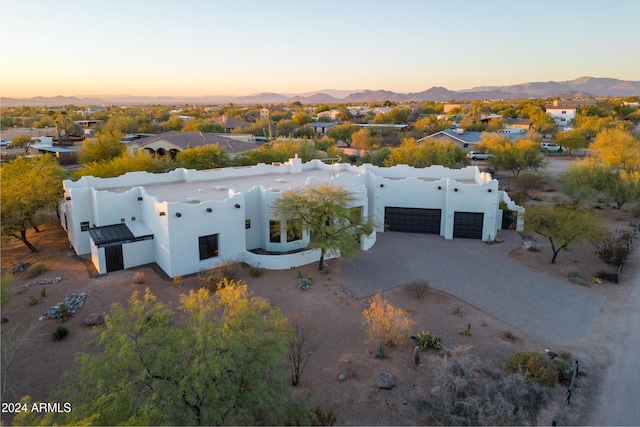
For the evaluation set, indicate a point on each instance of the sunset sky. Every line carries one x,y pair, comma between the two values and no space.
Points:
210,47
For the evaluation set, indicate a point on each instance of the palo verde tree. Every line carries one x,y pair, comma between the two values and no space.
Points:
427,153
31,189
517,156
219,361
328,213
205,157
612,172
105,146
563,224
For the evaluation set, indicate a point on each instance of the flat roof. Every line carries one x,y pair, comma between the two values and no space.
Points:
218,189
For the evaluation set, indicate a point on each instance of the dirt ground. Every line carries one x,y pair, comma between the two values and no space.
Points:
342,348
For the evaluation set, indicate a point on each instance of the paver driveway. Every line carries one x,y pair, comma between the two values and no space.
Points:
553,310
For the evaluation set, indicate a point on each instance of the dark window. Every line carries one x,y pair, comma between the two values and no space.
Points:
84,226
274,231
247,224
294,230
122,220
208,246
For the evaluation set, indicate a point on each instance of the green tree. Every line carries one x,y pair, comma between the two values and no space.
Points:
22,140
220,361
286,127
343,131
301,118
515,157
611,173
364,140
328,213
202,125
31,190
105,146
123,164
305,131
172,123
574,139
563,224
427,153
206,157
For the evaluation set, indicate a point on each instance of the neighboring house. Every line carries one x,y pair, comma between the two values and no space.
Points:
332,114
468,140
460,137
321,128
187,221
519,123
562,114
264,113
230,123
171,143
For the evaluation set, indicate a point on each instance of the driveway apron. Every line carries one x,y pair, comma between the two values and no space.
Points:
553,310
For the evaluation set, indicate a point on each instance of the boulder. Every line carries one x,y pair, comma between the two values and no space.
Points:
94,319
386,381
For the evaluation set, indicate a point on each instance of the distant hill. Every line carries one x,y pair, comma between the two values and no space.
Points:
580,87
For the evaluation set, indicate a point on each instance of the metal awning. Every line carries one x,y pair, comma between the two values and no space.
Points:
111,234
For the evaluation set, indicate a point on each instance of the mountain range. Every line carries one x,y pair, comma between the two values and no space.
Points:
580,87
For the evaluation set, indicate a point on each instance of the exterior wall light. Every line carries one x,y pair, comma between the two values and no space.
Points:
455,189
178,214
209,210
237,206
381,185
439,187
67,198
139,198
489,190
162,213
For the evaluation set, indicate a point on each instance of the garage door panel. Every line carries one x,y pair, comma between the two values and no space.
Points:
468,225
412,220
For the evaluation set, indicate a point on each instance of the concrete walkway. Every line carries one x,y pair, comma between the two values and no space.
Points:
553,310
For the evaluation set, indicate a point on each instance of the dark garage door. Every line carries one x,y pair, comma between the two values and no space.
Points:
113,257
412,220
468,225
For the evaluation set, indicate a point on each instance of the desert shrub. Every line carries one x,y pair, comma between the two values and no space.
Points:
177,280
138,277
565,354
565,370
529,181
533,366
324,419
256,271
606,275
387,324
6,281
34,270
508,335
426,339
474,394
60,332
418,288
43,292
518,198
211,278
613,248
33,300
381,353
457,310
571,271
635,211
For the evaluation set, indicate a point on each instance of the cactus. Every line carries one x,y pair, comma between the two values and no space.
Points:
43,292
467,331
380,353
416,355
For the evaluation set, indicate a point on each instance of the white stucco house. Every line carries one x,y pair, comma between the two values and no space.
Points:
186,221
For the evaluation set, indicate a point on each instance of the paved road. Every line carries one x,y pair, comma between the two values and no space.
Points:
618,405
550,309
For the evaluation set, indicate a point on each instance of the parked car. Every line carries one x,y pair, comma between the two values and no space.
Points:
474,155
4,143
548,147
